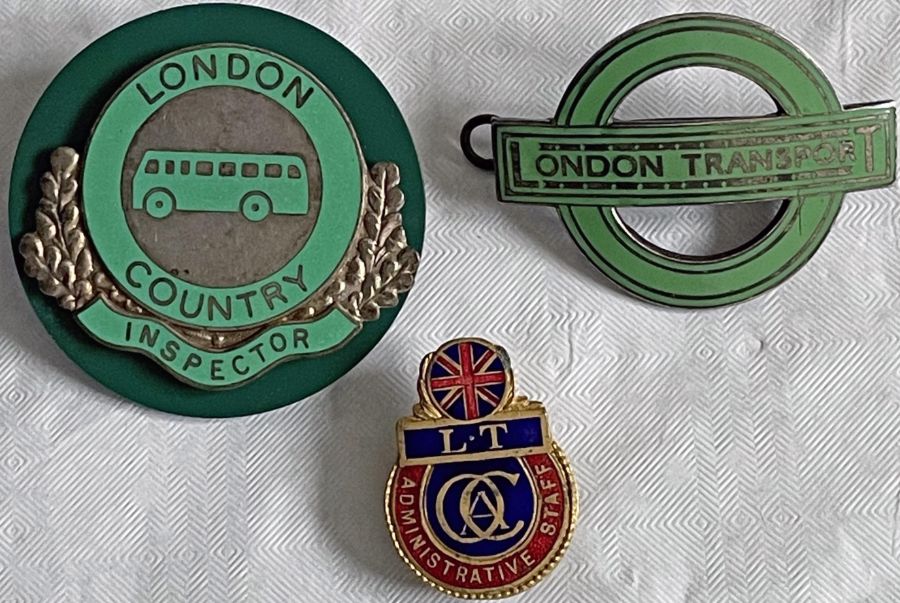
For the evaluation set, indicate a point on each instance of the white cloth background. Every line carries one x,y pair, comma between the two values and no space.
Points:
750,453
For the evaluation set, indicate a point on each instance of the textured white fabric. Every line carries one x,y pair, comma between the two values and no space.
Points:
741,454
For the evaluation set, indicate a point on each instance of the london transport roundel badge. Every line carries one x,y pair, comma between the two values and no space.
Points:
226,199
809,154
482,502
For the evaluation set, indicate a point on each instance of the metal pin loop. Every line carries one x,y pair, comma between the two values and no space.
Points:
465,142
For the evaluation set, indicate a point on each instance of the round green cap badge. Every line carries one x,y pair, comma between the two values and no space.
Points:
221,194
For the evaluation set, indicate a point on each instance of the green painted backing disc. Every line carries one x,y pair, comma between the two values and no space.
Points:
71,105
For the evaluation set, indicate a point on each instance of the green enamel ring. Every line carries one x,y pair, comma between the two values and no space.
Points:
809,154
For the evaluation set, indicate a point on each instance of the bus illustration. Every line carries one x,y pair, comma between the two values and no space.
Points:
256,185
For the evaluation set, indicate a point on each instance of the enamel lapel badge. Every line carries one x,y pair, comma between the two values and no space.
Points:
482,502
811,153
243,194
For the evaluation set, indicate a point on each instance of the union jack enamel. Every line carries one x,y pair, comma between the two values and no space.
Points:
467,379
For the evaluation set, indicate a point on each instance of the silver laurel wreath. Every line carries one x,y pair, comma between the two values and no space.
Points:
57,253
383,264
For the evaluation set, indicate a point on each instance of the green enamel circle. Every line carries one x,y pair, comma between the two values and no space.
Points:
77,97
745,48
335,144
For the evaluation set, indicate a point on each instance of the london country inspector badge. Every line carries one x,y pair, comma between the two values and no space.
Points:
810,153
231,189
482,502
